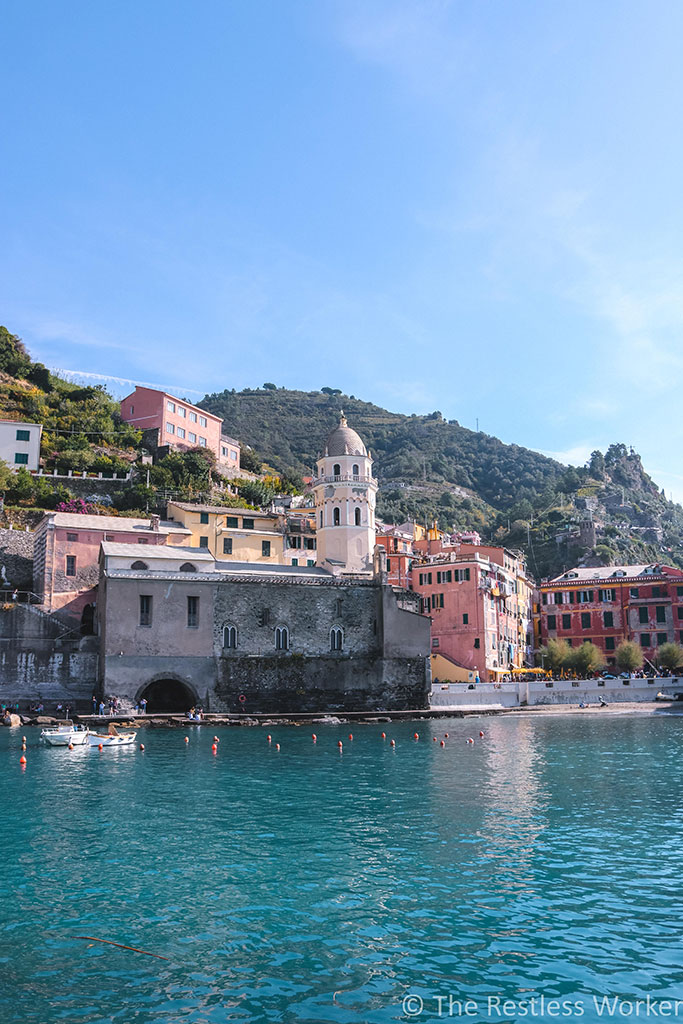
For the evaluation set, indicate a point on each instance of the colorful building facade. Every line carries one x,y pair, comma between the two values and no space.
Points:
20,444
180,425
232,534
479,601
607,605
67,549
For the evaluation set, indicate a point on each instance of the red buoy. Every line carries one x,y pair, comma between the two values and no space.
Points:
434,738
270,738
187,739
22,759
470,740
445,735
100,747
416,736
393,743
350,735
443,744
384,735
142,746
71,746
277,746
339,743
216,739
481,733
214,748
315,738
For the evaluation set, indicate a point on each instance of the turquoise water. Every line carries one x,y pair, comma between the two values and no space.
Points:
309,885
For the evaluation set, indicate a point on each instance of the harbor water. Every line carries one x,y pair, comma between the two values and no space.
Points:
371,883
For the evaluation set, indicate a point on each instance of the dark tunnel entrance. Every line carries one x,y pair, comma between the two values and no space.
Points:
168,695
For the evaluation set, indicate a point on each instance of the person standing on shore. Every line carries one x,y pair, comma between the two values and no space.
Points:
143,706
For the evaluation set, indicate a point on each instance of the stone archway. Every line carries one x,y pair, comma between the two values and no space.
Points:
168,694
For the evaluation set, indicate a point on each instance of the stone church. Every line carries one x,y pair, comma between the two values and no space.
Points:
180,628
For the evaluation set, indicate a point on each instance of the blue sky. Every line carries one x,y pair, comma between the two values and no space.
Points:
465,206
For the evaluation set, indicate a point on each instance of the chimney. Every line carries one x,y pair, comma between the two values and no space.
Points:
154,521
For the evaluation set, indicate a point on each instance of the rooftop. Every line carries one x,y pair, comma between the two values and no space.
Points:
174,398
343,440
168,552
611,572
250,513
112,524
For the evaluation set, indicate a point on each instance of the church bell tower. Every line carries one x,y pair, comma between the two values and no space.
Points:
345,496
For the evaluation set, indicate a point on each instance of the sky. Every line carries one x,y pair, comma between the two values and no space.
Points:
462,205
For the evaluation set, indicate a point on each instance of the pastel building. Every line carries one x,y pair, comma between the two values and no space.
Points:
479,600
20,444
176,423
609,604
232,534
66,556
397,541
345,496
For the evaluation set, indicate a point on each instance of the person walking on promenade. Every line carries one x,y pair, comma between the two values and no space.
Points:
101,708
94,705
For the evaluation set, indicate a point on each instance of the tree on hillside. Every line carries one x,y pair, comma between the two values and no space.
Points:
14,359
250,461
270,387
670,656
6,476
586,659
628,656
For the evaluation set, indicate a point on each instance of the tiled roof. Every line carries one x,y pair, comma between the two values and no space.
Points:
113,524
162,551
610,572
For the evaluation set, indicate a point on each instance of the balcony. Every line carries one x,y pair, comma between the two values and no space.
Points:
344,480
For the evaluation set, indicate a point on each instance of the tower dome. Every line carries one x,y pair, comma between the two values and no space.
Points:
344,441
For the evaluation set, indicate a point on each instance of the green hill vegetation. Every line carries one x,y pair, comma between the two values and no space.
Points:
432,469
429,469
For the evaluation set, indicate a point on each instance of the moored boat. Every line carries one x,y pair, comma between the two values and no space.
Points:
65,734
112,738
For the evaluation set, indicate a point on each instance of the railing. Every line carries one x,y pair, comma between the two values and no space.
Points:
344,479
77,474
18,597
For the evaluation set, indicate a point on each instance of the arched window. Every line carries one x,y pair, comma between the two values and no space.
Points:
336,469
187,567
139,565
356,471
336,639
230,637
281,638
357,516
336,517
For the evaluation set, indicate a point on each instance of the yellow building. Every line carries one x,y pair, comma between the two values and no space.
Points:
232,534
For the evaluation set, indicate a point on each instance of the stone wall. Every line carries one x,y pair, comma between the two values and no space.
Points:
38,663
384,662
16,560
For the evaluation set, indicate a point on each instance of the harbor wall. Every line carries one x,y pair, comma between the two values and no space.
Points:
557,691
40,662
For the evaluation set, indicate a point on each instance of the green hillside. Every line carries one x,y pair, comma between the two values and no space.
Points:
606,512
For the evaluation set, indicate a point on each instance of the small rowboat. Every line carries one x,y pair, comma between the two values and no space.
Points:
112,738
65,734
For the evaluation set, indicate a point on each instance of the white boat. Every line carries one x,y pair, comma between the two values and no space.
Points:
65,734
112,738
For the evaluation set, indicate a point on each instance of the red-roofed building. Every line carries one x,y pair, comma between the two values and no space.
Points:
609,604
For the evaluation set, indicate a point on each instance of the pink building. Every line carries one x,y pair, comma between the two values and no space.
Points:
179,424
479,600
66,556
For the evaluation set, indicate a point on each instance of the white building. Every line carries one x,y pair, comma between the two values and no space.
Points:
20,444
345,493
